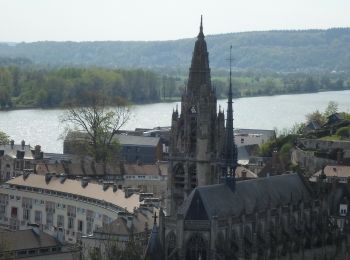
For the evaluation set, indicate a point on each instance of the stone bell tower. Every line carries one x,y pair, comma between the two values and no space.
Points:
197,133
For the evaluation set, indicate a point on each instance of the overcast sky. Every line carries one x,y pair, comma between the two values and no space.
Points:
97,20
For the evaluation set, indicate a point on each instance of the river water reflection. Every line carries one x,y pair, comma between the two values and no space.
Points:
39,126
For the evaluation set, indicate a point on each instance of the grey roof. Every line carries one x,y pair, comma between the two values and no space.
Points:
119,225
53,157
154,248
27,239
137,140
255,194
12,150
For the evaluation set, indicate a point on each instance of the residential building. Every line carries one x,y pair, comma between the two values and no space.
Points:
133,148
33,244
76,207
118,233
253,136
15,159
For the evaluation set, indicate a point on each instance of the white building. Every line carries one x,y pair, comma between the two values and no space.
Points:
72,207
253,136
17,158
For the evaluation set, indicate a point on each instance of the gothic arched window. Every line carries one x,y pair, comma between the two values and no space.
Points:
196,248
171,243
192,170
179,175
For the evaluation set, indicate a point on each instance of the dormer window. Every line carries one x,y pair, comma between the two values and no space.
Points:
343,209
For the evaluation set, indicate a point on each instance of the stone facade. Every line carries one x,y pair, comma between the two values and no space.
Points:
197,133
278,217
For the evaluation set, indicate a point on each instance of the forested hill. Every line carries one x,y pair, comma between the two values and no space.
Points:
303,50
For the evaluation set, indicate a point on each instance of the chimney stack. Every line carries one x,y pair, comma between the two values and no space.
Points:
37,152
23,143
12,142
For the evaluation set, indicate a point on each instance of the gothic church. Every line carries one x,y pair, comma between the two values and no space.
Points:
211,216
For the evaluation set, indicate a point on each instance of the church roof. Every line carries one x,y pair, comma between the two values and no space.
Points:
250,195
154,248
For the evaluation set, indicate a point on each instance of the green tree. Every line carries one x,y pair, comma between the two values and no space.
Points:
4,138
316,117
332,108
344,132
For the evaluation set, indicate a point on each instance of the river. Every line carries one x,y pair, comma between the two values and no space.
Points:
42,126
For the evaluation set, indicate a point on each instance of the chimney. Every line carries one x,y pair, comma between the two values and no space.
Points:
48,177
23,143
12,143
37,152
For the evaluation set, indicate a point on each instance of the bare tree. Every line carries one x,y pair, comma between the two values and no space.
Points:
97,123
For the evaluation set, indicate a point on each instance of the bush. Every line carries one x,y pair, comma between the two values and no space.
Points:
344,132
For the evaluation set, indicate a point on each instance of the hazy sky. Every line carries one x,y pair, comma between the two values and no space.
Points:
96,20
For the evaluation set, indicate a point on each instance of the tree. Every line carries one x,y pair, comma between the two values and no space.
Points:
331,109
316,117
98,122
4,138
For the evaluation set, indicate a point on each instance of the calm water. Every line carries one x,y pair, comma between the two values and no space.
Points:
38,126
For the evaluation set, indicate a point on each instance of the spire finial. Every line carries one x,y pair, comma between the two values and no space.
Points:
201,35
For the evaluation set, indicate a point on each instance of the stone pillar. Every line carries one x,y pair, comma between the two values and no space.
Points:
180,236
213,235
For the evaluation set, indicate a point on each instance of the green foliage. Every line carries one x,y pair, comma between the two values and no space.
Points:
332,108
317,117
32,87
298,50
4,138
343,132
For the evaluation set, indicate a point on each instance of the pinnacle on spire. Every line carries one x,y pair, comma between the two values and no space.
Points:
231,152
155,218
201,34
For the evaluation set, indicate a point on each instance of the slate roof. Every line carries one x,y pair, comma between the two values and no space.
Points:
154,248
12,150
137,140
160,169
250,195
119,226
27,239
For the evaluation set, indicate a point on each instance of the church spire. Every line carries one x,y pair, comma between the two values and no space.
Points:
230,151
199,74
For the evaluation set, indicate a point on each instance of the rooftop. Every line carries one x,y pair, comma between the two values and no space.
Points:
74,187
335,171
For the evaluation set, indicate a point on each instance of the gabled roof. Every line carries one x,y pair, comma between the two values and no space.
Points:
12,150
250,195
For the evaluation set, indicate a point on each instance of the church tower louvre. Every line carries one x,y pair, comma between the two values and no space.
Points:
197,132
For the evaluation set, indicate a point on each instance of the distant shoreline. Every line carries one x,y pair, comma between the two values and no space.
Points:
175,99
